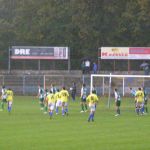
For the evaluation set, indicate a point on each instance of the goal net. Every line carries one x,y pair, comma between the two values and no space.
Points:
106,83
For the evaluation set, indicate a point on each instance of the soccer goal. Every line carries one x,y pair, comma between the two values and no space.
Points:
106,83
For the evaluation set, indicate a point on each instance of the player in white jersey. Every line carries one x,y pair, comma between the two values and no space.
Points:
3,98
145,99
84,95
117,101
41,96
45,101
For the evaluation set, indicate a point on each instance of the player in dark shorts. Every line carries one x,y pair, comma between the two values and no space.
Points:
145,100
83,98
117,101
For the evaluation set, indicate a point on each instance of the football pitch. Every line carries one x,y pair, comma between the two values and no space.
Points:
27,128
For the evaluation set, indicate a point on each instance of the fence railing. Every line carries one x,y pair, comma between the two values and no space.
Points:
28,84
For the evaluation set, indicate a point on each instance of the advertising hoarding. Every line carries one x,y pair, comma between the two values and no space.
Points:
125,53
30,52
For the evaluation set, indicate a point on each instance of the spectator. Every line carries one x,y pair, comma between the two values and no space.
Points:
94,69
73,91
145,66
87,66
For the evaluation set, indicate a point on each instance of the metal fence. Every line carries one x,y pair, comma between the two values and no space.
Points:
28,84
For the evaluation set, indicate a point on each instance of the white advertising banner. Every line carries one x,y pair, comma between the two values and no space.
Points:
125,53
31,52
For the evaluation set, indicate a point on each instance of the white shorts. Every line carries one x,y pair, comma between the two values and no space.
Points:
51,106
58,103
9,103
4,96
92,107
65,104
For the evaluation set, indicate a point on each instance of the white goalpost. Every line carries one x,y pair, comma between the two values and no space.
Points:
106,83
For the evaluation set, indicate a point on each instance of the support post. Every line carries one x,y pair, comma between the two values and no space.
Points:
123,87
91,84
39,65
9,61
44,82
109,94
69,63
103,85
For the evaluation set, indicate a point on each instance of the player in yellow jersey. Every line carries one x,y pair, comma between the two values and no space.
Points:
9,99
92,100
58,101
64,97
139,100
51,103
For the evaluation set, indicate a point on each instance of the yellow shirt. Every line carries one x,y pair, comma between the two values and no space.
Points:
64,95
9,95
139,96
57,96
51,98
92,99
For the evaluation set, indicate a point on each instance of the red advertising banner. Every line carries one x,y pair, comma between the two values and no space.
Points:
125,53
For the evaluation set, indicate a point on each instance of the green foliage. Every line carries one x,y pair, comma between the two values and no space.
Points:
83,25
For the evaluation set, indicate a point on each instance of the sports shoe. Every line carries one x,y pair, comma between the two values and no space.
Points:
81,111
116,115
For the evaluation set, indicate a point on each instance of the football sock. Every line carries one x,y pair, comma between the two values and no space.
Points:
82,107
42,105
56,109
146,109
90,116
86,106
63,112
118,111
66,110
142,109
51,113
137,111
45,108
9,108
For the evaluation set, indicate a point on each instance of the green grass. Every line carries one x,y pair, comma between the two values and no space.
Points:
27,128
